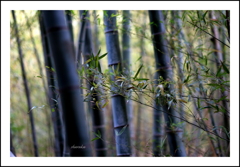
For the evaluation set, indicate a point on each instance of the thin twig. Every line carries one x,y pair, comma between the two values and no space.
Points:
209,34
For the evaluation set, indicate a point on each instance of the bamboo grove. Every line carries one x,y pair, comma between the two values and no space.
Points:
120,83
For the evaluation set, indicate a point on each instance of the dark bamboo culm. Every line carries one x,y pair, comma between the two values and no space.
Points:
80,40
27,91
126,65
96,44
12,149
52,94
97,114
69,23
163,65
228,22
120,119
219,60
68,82
70,27
126,42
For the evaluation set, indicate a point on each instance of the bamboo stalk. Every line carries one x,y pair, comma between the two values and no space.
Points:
27,91
120,120
68,83
52,94
69,23
126,61
219,60
228,22
97,114
164,68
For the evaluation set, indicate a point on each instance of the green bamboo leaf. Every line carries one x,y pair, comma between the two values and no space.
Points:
89,60
105,13
214,85
187,79
163,141
104,105
225,68
95,139
204,16
145,87
99,21
227,133
205,107
99,134
137,72
141,79
139,58
121,131
223,98
218,72
206,60
99,67
39,76
102,56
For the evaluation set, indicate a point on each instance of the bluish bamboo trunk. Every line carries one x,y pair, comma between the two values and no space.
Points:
163,65
126,64
68,82
52,94
120,120
97,114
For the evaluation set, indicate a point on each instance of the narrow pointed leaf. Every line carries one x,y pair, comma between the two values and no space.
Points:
137,72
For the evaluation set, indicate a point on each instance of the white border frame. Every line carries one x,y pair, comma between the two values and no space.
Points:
6,6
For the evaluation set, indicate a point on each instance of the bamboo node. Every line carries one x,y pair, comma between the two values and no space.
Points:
111,31
158,135
158,33
121,126
68,88
164,68
176,130
111,64
54,29
114,95
99,126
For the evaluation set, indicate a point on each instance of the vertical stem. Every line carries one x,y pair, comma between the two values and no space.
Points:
228,22
80,40
126,61
70,27
97,115
35,145
96,44
120,119
68,83
12,149
69,23
52,94
219,60
163,65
